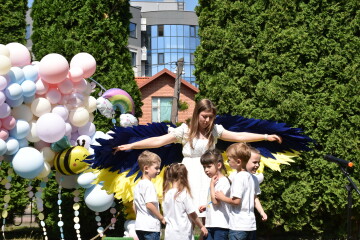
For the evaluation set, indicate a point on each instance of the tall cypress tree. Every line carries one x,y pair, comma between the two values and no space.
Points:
298,62
100,28
13,21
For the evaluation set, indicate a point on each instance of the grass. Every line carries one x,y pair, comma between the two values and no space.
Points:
23,232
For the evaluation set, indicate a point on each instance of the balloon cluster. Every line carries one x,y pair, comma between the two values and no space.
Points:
40,103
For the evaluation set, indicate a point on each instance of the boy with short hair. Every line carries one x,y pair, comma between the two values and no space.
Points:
242,222
146,204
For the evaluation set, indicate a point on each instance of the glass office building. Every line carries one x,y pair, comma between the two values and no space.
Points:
166,44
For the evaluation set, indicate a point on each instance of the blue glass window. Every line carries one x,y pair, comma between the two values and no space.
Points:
161,43
160,30
161,58
167,30
180,30
132,28
154,30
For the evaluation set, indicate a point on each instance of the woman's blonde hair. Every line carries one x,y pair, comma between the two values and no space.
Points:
204,105
176,172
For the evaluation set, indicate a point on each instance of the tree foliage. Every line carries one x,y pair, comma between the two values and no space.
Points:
13,21
100,28
296,62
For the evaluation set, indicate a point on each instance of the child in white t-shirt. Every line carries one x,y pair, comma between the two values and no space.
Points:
146,204
242,223
179,210
217,212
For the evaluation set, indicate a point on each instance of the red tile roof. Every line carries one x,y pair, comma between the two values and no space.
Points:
143,81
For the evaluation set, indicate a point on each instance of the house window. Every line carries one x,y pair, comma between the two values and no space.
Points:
160,30
133,59
28,32
161,58
161,109
132,30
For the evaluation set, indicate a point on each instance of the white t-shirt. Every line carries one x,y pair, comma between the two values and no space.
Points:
218,215
242,217
144,192
178,224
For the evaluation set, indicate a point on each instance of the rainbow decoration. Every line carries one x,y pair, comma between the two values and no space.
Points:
120,99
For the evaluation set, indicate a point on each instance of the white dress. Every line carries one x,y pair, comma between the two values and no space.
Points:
199,182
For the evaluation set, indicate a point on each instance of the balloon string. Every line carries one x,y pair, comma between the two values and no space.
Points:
97,84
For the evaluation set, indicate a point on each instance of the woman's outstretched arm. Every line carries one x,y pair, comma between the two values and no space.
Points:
248,137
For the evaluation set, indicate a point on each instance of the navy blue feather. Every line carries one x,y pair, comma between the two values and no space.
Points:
293,138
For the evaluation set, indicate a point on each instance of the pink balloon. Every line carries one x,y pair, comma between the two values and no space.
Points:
86,62
66,86
53,95
8,123
4,110
4,80
50,127
76,74
4,134
41,87
80,86
53,68
19,54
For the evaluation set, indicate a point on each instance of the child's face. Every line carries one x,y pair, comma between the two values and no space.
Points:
253,163
205,118
153,170
233,163
210,169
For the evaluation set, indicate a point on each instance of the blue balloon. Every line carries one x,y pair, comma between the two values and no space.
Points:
15,103
12,146
16,75
29,99
28,162
23,143
21,129
3,147
31,72
29,88
97,199
13,91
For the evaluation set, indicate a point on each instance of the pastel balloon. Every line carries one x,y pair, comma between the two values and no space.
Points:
4,80
32,135
91,117
5,64
76,74
21,129
87,129
90,103
4,50
8,122
86,62
53,95
22,112
28,162
31,72
85,179
41,144
97,199
16,75
80,86
29,99
73,100
84,140
12,146
48,155
40,106
19,54
13,91
62,111
66,87
79,117
45,172
28,88
120,99
23,143
41,87
4,110
68,130
66,181
4,134
50,127
3,147
16,102
53,68
2,97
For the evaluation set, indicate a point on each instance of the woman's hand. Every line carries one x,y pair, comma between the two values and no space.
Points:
274,137
122,148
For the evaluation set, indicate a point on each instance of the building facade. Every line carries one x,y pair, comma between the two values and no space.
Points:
160,34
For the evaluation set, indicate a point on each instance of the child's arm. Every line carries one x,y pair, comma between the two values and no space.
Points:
134,208
260,209
214,179
155,211
221,196
194,218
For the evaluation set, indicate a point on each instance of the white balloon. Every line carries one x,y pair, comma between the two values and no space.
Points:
85,179
62,111
97,199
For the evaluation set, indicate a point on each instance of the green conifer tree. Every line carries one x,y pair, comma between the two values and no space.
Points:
12,21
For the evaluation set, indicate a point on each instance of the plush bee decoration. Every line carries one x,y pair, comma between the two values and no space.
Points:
70,160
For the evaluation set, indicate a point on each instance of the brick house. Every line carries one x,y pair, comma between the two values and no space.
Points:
157,93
